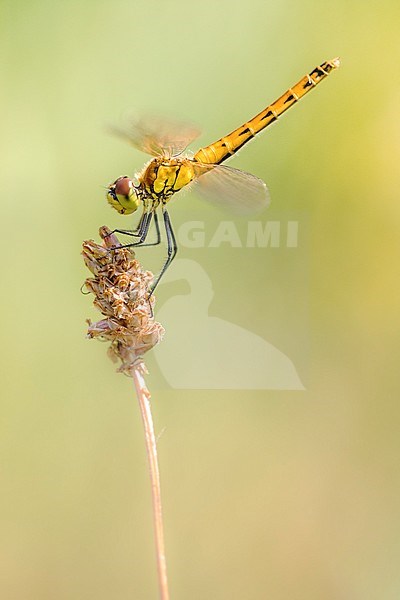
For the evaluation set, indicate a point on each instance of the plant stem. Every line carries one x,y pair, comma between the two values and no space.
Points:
143,395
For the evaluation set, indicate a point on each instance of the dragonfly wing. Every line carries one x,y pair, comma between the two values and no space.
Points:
231,188
156,136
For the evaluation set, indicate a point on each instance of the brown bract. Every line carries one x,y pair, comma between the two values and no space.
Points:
121,289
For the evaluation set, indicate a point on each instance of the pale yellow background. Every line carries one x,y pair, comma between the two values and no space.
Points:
278,495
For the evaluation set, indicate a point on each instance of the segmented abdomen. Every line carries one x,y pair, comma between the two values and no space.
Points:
220,150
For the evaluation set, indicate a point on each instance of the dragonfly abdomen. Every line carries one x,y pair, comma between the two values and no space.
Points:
225,147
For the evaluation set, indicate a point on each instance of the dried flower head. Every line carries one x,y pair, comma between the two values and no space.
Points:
121,289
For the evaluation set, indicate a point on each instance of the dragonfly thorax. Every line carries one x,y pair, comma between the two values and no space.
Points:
164,177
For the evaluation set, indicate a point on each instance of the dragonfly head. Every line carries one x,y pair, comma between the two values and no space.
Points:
123,195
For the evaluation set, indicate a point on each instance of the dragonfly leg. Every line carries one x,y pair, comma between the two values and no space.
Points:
137,232
158,234
172,249
143,234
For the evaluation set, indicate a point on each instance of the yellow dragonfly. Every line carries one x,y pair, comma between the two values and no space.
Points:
169,170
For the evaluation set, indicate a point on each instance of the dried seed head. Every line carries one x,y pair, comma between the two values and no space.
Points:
121,290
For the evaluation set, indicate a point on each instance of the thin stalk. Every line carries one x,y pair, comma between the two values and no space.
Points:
143,395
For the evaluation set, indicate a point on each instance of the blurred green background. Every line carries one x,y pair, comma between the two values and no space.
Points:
267,494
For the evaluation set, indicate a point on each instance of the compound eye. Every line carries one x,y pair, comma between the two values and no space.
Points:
123,186
123,195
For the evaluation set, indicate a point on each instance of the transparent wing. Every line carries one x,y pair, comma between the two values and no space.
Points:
157,136
231,188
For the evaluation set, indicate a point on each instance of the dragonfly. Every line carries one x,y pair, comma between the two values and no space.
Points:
170,170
